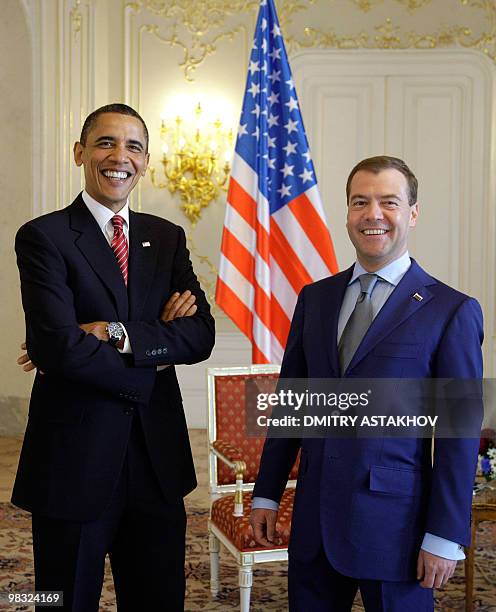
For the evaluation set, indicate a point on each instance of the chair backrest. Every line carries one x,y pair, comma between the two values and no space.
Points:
227,415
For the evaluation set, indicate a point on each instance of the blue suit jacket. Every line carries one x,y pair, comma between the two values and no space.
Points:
370,501
80,411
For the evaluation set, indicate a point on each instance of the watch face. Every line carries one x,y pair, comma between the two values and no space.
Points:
115,332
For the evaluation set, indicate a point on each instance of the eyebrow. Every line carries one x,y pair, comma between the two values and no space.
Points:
134,142
387,196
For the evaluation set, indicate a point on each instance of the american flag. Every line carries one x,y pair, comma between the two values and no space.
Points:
275,238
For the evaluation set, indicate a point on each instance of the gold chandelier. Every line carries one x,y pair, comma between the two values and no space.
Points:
196,161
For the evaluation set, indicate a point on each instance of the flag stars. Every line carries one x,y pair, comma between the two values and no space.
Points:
242,131
290,148
254,89
271,141
264,24
264,45
285,190
275,54
256,133
274,97
287,170
290,83
276,30
291,126
275,76
307,156
306,175
256,110
254,67
272,163
292,104
273,120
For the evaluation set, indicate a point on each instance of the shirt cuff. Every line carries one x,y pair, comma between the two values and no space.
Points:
126,349
442,547
263,502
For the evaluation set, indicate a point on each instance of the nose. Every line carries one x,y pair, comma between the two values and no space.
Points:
119,153
373,212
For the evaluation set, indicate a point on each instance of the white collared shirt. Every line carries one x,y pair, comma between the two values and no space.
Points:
103,216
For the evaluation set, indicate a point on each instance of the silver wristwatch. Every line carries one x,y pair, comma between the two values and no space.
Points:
115,333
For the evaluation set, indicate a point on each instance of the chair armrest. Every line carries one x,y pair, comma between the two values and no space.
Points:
230,452
232,457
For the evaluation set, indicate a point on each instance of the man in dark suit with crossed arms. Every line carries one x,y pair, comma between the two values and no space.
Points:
111,304
375,513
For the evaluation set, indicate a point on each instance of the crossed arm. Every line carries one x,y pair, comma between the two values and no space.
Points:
178,305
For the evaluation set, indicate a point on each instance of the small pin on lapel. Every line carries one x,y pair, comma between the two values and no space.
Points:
418,297
145,244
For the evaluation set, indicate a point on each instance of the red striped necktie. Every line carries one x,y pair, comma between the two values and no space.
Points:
119,245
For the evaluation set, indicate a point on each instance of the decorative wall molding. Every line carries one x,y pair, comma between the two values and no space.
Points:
399,34
195,27
63,93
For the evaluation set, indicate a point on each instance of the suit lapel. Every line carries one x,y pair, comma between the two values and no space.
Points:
95,248
398,308
330,307
143,253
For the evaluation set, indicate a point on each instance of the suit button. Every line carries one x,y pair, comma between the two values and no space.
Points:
164,350
159,351
154,352
129,410
147,353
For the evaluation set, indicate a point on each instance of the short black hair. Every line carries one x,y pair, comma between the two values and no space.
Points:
385,162
116,107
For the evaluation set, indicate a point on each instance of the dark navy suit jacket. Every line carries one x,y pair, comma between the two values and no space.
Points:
80,411
369,502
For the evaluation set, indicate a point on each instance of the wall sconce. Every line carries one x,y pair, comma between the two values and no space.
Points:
196,161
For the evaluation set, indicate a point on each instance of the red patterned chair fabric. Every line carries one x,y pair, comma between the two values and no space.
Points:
230,414
238,530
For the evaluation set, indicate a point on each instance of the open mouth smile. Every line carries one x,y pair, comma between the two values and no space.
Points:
374,232
116,176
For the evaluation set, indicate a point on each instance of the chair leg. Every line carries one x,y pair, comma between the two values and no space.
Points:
245,583
214,547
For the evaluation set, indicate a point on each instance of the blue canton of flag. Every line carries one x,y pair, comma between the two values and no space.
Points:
271,137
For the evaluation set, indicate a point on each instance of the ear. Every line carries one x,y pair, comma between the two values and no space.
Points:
147,161
78,153
414,212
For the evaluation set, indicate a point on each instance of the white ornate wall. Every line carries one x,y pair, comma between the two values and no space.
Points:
85,53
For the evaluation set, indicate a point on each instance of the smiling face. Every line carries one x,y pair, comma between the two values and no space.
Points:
379,217
114,158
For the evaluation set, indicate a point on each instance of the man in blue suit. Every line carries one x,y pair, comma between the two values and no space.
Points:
111,304
375,514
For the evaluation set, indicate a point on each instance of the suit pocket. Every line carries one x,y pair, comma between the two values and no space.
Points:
397,349
384,515
395,481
